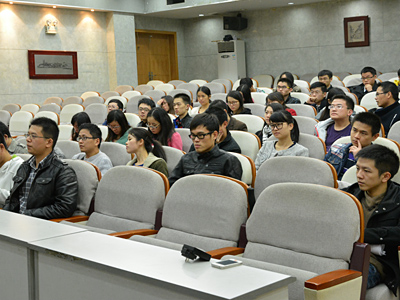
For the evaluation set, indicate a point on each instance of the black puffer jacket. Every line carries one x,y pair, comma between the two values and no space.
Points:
215,161
54,191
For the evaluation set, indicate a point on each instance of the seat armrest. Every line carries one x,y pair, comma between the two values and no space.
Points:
331,279
218,253
74,219
360,262
127,234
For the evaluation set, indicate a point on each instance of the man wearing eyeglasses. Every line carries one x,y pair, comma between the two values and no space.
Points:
44,186
285,87
368,76
207,157
144,106
387,98
89,140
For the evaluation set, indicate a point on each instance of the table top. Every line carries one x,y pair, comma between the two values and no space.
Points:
24,229
162,264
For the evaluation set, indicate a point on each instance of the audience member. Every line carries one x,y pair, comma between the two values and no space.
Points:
204,98
387,98
332,93
144,106
44,187
277,97
167,103
113,104
118,127
148,152
326,76
285,87
77,120
286,130
289,76
89,139
245,90
338,125
234,99
317,97
162,129
181,105
397,81
8,168
380,199
12,146
249,82
208,158
233,124
365,129
266,132
368,76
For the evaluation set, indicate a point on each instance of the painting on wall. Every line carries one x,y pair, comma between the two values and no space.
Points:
52,64
356,32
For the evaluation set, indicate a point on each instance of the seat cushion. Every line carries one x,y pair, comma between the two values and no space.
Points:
380,292
90,228
156,242
116,224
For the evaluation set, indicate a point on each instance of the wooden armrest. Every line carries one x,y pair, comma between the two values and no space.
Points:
331,279
74,219
127,234
218,253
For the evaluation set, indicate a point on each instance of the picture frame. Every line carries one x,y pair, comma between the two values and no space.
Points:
52,64
356,32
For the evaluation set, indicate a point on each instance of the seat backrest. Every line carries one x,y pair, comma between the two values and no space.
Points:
69,148
248,168
294,169
54,107
120,98
266,90
303,110
132,206
349,78
104,131
97,113
215,87
387,76
394,133
208,218
235,85
192,87
306,124
387,142
368,101
304,85
253,123
176,82
92,100
173,157
132,105
339,85
133,119
186,140
341,75
33,108
143,88
49,114
72,100
359,108
116,152
88,176
259,98
109,94
304,226
130,94
265,80
69,111
303,97
353,97
123,89
154,83
180,91
199,82
5,117
248,142
65,132
89,94
12,107
19,122
316,146
155,95
56,100
256,109
218,96
226,82
165,87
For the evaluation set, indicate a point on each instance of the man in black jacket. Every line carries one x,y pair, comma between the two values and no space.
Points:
208,158
380,199
368,76
44,186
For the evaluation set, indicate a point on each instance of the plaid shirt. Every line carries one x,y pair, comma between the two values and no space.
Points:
26,187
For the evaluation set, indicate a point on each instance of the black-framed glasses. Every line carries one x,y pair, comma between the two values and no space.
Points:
85,138
34,136
277,126
200,136
377,94
143,109
152,126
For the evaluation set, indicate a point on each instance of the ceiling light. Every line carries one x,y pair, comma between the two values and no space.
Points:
54,6
201,15
11,2
290,3
92,9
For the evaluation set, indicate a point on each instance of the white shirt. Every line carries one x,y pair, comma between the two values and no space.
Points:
7,172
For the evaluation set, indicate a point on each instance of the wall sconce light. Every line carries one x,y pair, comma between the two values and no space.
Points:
51,26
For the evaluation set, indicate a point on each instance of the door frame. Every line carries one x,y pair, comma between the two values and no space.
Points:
173,47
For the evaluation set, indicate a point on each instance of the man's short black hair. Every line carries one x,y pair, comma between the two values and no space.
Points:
288,81
3,141
318,84
386,160
93,129
368,69
325,72
349,101
209,121
147,101
219,113
219,103
4,130
49,128
388,86
185,98
370,119
119,103
247,81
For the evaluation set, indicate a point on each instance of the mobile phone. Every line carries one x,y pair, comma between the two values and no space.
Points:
225,264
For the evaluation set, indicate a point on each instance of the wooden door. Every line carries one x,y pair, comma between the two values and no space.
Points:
156,56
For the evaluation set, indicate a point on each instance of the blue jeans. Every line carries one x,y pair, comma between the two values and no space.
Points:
374,278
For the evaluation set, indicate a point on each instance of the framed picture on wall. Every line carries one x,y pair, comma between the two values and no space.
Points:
52,64
356,32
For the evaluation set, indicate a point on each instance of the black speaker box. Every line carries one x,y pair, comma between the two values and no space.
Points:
235,23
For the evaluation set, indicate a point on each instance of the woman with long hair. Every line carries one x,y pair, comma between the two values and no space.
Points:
246,93
117,127
204,98
162,129
148,153
234,99
77,120
266,132
284,127
277,97
167,103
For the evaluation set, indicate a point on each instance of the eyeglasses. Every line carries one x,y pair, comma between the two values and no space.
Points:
338,106
85,138
144,109
34,136
233,102
113,127
366,78
277,126
377,94
281,87
200,136
152,126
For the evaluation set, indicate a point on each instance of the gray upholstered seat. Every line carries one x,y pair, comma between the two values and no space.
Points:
56,100
256,109
306,124
132,105
69,148
91,100
155,95
186,141
143,88
180,91
116,152
72,100
97,113
12,107
54,107
123,88
303,110
248,142
204,211
173,156
5,117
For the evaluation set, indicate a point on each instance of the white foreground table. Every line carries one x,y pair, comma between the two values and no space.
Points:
89,266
